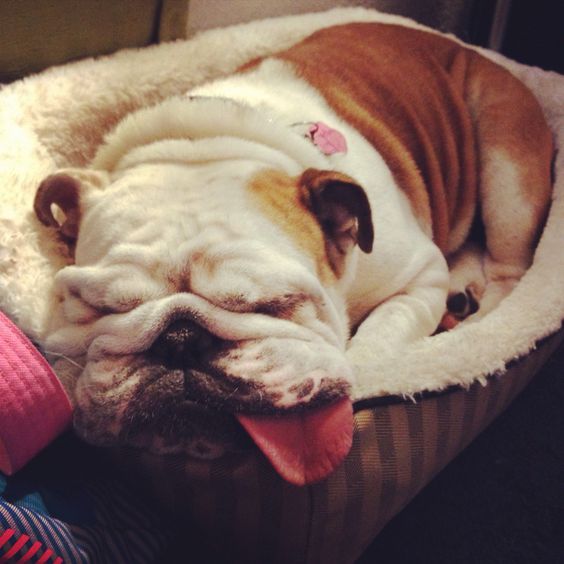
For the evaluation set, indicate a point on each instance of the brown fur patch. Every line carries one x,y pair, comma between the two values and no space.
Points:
280,198
430,106
522,134
394,85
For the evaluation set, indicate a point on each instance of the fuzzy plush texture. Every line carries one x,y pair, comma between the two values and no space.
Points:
60,117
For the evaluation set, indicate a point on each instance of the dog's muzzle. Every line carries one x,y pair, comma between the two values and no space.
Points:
172,376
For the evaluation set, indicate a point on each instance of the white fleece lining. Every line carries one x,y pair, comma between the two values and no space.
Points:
58,118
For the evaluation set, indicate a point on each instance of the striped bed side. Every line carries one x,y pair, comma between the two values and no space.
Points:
242,509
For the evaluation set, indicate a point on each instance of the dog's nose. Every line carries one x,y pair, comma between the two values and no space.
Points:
183,343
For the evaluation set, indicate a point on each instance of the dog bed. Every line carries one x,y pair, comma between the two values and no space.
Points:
413,413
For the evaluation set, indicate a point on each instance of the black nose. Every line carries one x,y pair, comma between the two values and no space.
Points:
183,343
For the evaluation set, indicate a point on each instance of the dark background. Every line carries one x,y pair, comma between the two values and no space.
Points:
534,31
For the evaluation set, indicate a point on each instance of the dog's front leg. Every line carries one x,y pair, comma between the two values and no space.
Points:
404,317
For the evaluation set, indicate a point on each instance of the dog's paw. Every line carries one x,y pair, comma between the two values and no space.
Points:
466,286
463,304
460,306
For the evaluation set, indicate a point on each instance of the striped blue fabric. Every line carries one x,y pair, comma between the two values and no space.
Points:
121,531
56,541
90,517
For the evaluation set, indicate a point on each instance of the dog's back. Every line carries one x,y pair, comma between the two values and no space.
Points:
435,110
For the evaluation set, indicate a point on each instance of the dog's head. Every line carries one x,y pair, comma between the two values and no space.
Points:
205,290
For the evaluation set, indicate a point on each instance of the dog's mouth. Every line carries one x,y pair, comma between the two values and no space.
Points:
304,444
139,401
306,440
304,429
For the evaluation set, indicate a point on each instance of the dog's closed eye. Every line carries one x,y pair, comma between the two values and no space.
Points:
276,306
83,307
88,292
282,306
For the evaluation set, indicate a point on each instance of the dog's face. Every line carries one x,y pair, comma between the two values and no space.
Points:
202,291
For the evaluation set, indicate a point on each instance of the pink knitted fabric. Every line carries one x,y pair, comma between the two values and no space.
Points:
34,407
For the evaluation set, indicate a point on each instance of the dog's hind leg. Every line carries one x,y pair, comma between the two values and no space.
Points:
515,148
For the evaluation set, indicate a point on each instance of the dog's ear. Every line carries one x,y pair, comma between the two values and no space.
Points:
58,199
341,207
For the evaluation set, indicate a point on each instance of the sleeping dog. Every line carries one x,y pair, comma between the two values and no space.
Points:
229,242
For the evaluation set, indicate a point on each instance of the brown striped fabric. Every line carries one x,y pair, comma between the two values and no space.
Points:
247,513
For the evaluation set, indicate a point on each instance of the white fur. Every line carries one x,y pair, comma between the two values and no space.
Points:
188,161
402,251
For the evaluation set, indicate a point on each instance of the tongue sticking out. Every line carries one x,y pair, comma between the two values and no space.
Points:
304,447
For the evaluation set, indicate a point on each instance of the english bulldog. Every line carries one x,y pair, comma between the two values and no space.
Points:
228,243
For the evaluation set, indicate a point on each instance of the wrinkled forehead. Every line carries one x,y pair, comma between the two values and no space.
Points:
162,205
164,208
197,228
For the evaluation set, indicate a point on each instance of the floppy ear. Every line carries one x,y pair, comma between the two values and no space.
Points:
341,207
58,200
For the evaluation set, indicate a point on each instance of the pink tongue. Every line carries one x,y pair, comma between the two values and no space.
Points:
304,447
